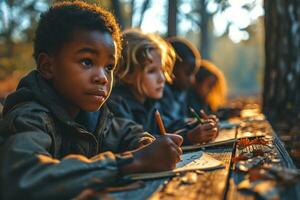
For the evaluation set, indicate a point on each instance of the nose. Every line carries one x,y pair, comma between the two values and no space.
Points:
99,76
161,77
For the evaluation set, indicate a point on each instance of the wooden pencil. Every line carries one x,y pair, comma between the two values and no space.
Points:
160,123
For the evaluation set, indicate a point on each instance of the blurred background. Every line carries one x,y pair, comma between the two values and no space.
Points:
230,33
255,43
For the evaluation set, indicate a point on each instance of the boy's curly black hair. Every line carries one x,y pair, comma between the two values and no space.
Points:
62,19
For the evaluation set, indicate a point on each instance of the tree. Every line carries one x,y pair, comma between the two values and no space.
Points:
172,18
117,12
125,16
18,20
13,15
281,96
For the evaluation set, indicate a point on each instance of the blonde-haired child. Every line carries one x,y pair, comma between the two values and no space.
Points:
147,63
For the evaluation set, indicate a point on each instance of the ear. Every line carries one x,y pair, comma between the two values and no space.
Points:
45,66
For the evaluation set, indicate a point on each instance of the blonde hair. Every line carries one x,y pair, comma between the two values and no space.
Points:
217,95
136,52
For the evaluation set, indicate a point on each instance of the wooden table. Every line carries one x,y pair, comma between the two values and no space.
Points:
215,184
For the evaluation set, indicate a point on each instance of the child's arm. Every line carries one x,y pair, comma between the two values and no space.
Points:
29,171
131,135
203,133
161,155
200,132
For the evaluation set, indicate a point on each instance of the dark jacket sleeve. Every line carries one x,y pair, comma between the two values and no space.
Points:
29,171
133,135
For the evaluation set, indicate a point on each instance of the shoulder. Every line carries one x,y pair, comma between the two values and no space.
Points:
27,121
27,109
27,115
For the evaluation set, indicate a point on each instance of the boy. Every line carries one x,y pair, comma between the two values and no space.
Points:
174,102
60,138
186,65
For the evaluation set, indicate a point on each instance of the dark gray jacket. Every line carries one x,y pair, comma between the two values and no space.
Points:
47,155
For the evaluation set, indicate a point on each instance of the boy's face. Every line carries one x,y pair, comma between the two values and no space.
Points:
152,78
184,74
83,70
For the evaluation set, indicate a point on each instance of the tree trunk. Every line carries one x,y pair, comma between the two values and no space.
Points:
132,9
281,96
204,26
145,6
118,13
172,18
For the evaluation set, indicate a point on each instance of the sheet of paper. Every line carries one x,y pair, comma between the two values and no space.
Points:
226,136
189,161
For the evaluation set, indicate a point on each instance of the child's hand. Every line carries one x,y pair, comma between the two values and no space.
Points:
203,133
204,116
161,155
210,117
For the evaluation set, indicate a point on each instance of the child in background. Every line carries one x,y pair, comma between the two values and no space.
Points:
147,61
146,65
175,109
186,65
209,91
60,137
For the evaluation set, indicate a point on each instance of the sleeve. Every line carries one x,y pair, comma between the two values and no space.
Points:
132,135
29,171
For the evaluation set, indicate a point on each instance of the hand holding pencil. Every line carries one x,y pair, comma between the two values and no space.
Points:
205,131
162,154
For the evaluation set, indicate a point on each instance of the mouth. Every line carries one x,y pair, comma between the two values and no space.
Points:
98,94
160,89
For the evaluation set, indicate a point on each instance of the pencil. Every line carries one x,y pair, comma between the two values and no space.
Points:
160,123
196,115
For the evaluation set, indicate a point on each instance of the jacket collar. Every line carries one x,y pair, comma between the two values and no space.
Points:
33,87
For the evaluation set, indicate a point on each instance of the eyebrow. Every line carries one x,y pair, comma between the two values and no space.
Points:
93,51
87,50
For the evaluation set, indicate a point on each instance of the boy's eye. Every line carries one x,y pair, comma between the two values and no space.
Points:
110,67
86,62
